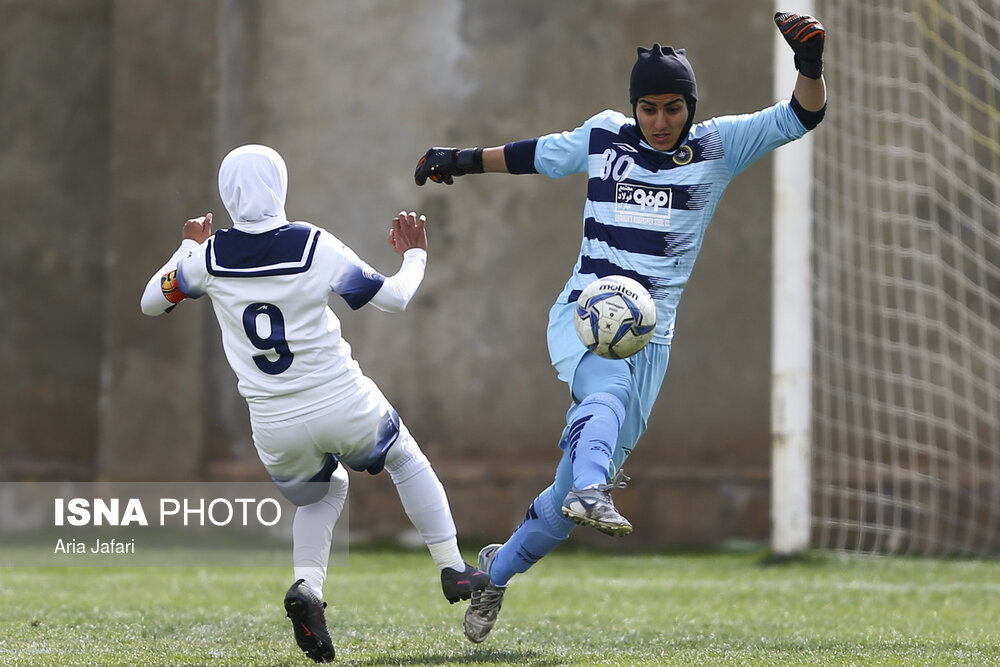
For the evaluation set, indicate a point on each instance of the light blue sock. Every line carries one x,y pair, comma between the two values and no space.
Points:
543,529
592,436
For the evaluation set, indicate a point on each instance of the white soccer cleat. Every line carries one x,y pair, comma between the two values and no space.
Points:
593,507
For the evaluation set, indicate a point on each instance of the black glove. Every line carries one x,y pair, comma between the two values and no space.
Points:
440,164
806,37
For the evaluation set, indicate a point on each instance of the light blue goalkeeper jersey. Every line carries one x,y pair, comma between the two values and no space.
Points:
647,210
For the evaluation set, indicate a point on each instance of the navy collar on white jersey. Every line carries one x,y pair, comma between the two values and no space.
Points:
284,251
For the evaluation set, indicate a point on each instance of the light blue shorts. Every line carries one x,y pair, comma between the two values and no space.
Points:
644,376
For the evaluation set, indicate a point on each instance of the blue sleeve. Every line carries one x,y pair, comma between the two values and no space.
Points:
565,153
747,137
358,284
350,276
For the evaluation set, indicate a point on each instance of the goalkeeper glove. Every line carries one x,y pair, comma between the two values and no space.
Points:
806,37
441,164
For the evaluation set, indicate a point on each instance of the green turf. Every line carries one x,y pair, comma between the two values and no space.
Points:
573,608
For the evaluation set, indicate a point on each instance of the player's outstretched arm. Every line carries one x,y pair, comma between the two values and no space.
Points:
442,164
807,37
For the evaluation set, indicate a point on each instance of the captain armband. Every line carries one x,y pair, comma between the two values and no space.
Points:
170,288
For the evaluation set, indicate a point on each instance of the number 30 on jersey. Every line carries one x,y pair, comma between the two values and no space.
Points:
615,166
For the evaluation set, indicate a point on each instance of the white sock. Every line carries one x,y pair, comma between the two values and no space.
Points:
446,554
312,533
424,500
314,576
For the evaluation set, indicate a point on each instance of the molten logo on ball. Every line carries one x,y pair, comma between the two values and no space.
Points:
615,317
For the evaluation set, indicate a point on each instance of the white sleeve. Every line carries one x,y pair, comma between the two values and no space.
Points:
153,301
398,289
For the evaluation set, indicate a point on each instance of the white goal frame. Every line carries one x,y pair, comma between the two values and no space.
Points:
791,325
886,287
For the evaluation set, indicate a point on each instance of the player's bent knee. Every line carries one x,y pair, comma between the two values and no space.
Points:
405,458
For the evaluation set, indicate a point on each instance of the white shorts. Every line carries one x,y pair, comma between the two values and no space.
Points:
358,430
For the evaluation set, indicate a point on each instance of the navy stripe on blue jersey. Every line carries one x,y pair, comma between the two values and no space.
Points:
284,251
627,138
359,286
626,141
602,268
641,241
708,147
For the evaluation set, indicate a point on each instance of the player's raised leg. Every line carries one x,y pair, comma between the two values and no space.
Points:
541,531
426,504
591,437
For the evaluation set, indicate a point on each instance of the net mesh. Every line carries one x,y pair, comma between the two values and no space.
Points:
906,263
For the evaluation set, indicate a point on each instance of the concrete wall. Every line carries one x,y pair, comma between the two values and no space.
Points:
123,110
54,184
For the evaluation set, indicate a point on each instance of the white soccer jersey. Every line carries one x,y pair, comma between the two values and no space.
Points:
646,210
269,281
270,294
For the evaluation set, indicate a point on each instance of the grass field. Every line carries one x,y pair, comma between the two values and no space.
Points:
573,608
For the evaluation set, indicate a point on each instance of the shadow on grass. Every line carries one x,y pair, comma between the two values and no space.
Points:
476,656
813,558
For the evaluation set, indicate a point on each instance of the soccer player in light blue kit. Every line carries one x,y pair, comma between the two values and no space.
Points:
654,182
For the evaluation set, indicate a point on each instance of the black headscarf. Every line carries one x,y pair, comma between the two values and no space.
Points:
663,69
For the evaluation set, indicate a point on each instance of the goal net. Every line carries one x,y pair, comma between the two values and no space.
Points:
905,425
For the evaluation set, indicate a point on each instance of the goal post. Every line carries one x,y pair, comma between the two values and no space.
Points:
791,326
888,302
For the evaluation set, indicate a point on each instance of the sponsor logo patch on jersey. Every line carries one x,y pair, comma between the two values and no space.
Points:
644,204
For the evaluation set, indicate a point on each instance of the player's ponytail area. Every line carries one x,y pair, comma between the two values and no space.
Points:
576,608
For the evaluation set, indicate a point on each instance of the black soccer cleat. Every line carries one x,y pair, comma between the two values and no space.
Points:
460,585
309,622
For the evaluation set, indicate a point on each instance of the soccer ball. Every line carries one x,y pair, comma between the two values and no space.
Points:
615,317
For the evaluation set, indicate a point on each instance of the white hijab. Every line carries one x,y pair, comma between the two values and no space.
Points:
253,183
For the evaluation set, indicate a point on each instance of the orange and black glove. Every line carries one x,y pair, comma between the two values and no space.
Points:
806,37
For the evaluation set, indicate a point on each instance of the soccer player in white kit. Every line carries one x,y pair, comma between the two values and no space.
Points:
654,181
312,410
